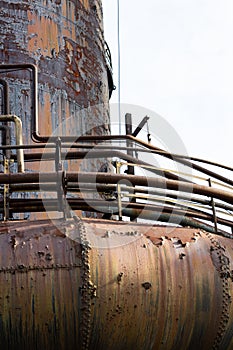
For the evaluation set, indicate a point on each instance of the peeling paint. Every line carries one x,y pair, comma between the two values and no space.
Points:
65,39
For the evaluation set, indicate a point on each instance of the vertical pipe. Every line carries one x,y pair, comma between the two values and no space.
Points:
118,166
19,138
129,144
6,110
214,211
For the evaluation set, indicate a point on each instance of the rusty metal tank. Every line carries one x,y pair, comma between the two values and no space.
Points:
98,284
91,284
64,39
55,74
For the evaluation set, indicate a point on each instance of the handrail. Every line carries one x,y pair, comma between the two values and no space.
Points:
111,178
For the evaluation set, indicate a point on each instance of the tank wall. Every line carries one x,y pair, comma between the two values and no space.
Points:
65,40
95,284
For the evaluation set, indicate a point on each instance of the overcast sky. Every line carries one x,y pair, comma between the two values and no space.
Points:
177,60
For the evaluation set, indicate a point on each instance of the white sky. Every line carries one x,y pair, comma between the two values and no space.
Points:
177,60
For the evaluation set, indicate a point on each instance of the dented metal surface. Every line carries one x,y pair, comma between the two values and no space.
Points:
36,308
96,284
93,284
162,290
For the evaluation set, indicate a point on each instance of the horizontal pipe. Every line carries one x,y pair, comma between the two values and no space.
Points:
184,162
105,189
98,154
183,220
151,182
153,151
149,212
110,178
174,157
37,138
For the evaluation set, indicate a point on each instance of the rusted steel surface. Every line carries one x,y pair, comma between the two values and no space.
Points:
96,284
65,40
160,290
40,279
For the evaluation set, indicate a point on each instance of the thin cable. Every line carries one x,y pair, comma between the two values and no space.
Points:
119,65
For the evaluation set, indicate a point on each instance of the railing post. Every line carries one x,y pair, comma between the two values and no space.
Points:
118,166
213,209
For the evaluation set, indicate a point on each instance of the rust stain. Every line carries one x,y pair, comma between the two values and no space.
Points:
90,284
43,36
85,4
65,40
185,311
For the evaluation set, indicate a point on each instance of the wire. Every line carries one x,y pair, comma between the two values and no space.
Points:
119,65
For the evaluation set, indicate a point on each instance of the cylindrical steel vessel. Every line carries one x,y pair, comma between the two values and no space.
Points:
95,284
64,39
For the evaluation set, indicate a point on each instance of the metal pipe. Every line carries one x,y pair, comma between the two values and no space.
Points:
106,189
164,153
151,182
144,150
185,162
167,193
119,199
132,210
109,147
5,96
87,187
6,110
37,138
34,120
18,135
98,154
183,220
6,138
80,203
214,211
84,177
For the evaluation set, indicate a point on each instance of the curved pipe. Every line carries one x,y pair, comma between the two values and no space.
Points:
109,178
37,138
142,211
19,138
151,181
34,121
45,139
98,154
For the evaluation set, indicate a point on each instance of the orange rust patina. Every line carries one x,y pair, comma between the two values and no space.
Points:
95,284
65,40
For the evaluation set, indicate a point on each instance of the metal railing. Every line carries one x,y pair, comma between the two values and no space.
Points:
169,192
163,195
